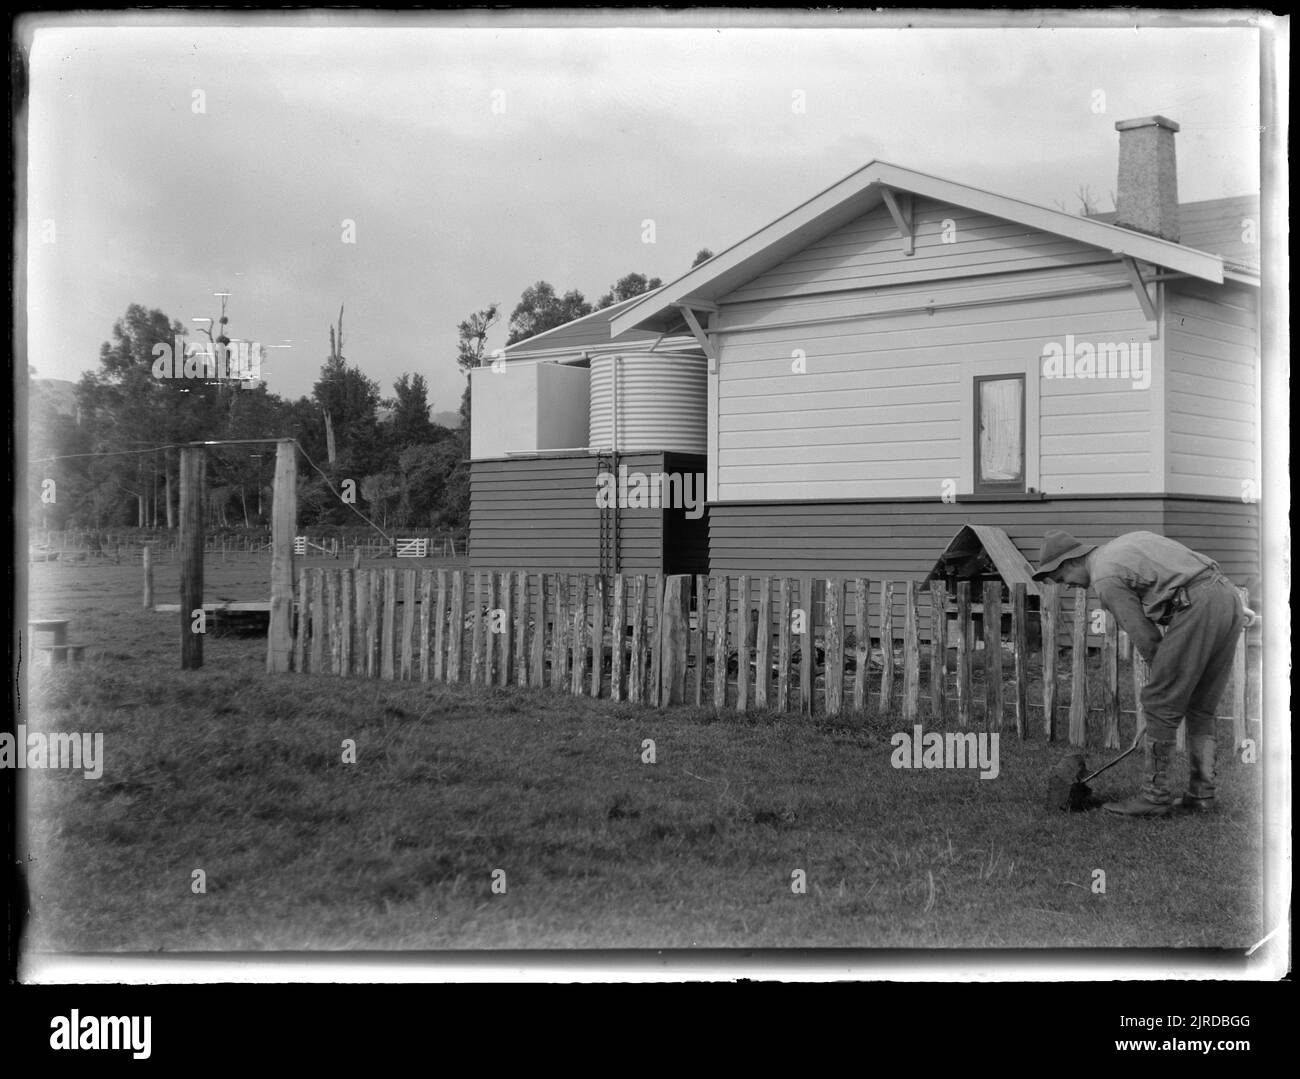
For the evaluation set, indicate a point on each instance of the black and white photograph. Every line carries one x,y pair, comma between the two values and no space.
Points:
724,484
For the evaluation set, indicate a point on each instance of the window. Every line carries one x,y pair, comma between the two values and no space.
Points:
999,433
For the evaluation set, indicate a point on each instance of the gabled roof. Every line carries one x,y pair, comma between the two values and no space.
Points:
588,332
1004,556
860,193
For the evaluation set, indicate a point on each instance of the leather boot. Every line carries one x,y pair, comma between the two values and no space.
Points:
1154,799
1201,750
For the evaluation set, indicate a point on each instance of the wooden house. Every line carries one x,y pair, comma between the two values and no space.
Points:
902,355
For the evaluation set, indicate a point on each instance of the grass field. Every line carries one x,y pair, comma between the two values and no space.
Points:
240,774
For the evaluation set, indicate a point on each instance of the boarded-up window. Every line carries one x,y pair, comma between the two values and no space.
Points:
1000,433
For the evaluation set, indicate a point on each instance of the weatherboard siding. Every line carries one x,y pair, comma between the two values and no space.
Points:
882,406
540,513
901,540
1211,389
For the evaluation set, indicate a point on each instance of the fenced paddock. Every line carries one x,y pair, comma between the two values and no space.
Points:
834,647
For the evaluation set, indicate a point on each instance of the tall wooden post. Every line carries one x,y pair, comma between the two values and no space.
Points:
148,579
284,518
191,553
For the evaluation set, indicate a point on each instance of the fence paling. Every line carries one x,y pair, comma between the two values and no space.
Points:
1079,670
618,635
700,634
808,609
1049,605
579,637
744,637
721,601
886,645
992,655
938,651
861,642
1110,683
963,654
833,647
911,654
1020,652
763,646
783,651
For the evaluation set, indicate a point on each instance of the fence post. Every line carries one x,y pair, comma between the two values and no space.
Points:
363,611
653,641
505,603
522,608
722,611
317,622
578,684
347,600
993,655
456,626
911,654
1110,683
193,471
783,651
617,639
938,651
636,676
408,625
674,634
744,643
598,634
763,646
862,642
284,512
963,654
807,646
1048,607
886,646
426,622
304,620
1020,655
700,634
833,642
476,633
1079,671
388,637
560,641
537,673
147,602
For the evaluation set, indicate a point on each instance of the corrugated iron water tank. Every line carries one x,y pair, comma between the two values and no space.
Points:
661,400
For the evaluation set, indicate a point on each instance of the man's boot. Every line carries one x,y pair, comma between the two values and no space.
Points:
1154,799
1200,783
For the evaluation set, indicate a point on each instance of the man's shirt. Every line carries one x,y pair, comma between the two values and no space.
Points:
1135,577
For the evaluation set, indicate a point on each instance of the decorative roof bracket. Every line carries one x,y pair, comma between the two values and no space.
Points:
900,209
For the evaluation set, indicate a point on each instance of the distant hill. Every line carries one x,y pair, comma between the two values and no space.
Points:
58,392
441,419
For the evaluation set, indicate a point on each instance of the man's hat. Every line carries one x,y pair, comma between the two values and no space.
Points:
1057,547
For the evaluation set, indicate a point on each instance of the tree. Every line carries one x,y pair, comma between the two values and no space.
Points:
348,398
411,424
634,284
702,255
473,337
540,309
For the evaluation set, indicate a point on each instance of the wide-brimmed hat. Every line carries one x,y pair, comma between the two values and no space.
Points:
1057,547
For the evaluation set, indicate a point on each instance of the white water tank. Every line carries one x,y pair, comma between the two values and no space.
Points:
661,401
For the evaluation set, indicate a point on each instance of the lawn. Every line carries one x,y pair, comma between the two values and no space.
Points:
241,775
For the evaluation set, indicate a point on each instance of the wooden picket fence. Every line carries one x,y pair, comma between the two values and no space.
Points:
736,643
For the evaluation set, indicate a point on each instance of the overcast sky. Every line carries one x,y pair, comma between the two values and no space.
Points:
476,161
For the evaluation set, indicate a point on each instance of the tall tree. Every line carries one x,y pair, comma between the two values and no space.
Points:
540,309
702,255
411,424
625,288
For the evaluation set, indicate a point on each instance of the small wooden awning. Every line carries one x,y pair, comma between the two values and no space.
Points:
977,550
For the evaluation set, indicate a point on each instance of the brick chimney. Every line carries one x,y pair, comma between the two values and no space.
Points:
1146,197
